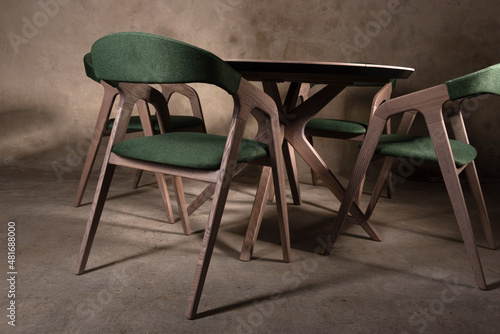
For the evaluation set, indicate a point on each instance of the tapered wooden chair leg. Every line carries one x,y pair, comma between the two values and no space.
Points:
162,185
359,171
314,177
459,207
201,198
446,162
137,179
208,192
257,213
87,167
281,205
207,248
475,186
95,216
106,106
270,196
382,179
389,186
181,204
357,199
291,168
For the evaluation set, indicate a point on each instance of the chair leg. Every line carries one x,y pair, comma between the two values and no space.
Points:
201,198
452,182
389,187
162,185
208,192
281,207
257,213
382,179
357,199
359,171
209,238
95,216
102,118
291,168
137,178
314,177
181,204
475,186
462,216
388,181
270,197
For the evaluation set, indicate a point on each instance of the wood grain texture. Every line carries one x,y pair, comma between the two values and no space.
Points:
108,100
247,99
100,131
430,103
383,94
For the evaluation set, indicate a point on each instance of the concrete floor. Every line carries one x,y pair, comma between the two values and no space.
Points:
418,280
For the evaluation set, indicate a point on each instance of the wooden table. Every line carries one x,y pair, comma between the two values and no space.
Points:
336,76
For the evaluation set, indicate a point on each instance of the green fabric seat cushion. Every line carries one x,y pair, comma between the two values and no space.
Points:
421,148
147,58
187,149
485,81
178,122
334,125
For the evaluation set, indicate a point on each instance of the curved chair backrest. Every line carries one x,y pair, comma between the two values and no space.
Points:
485,81
89,67
147,58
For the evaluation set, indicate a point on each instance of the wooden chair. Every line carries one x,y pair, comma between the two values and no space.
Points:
440,106
346,129
104,125
133,60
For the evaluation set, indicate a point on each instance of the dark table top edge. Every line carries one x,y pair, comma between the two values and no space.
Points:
247,66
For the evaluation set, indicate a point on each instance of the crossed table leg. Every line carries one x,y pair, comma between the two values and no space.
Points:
295,120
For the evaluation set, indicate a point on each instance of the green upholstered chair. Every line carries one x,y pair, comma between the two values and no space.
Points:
346,129
440,106
133,61
104,125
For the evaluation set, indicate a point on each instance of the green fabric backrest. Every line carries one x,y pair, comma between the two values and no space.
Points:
89,67
147,58
485,81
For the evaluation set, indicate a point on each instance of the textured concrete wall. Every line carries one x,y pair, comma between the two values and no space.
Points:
48,106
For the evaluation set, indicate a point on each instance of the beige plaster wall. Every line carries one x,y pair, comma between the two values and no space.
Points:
48,106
